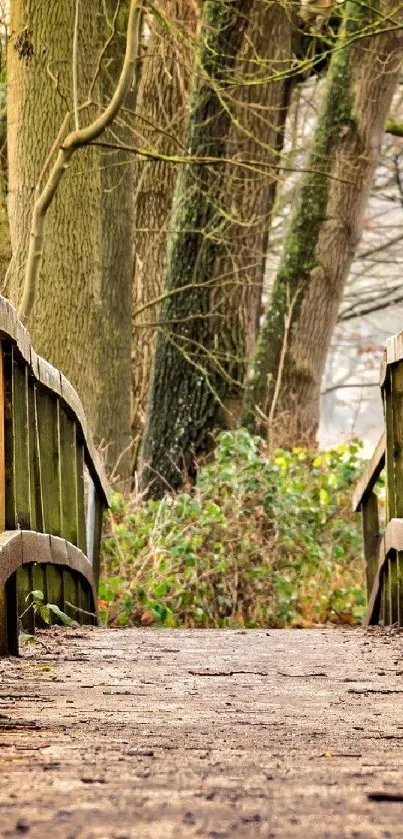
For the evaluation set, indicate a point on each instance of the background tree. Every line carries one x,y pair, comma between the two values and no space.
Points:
162,113
284,385
51,63
258,105
183,394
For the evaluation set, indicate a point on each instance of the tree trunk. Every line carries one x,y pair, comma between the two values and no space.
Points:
113,397
162,116
188,381
79,302
326,224
39,94
5,241
256,134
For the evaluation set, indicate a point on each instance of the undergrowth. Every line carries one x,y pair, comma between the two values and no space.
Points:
260,542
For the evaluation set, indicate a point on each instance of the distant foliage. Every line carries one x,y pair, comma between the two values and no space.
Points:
261,542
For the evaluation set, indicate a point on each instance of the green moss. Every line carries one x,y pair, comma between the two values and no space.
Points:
308,214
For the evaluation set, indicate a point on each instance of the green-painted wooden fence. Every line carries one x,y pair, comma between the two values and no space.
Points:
52,489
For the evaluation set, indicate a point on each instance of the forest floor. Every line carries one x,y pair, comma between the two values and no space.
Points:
133,734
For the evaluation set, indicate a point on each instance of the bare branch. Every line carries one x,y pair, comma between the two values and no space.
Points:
75,140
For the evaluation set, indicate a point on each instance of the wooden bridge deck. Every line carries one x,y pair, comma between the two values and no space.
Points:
139,733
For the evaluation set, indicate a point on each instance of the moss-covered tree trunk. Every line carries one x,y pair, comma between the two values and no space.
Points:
188,381
259,108
284,383
162,109
74,323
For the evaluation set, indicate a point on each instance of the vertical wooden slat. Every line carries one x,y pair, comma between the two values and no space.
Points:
396,374
10,514
70,594
96,551
90,520
2,445
390,474
3,621
394,459
382,609
24,587
3,590
12,615
394,587
48,446
21,443
54,587
39,584
36,501
399,556
83,602
81,523
371,538
68,477
386,587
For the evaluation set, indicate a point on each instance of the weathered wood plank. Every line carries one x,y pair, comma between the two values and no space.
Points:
81,522
390,466
36,499
371,538
383,370
2,447
24,588
397,440
39,584
21,460
391,545
70,593
3,621
14,334
49,376
96,551
12,615
68,477
54,587
49,459
393,587
10,513
394,348
370,474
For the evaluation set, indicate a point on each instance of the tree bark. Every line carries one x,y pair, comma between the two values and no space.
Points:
188,381
113,397
162,113
78,304
283,391
259,111
39,94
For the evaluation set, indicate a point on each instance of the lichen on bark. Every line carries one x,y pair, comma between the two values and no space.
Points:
283,388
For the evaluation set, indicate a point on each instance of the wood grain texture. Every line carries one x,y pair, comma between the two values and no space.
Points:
49,378
370,474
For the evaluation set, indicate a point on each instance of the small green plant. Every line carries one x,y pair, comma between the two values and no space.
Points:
260,541
35,600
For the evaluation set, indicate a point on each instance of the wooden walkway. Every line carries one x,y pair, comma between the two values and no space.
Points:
133,734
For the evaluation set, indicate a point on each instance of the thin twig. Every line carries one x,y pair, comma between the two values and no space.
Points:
287,326
75,77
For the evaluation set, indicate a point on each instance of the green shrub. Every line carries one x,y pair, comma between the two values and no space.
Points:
261,541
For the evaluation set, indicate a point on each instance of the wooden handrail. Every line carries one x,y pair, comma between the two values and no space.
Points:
50,526
390,548
54,381
370,474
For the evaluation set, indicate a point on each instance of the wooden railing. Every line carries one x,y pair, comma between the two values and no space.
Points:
52,489
383,553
